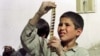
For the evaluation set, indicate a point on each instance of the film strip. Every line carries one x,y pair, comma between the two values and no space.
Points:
52,22
52,26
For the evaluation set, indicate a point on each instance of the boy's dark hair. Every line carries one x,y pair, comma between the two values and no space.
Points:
76,18
43,28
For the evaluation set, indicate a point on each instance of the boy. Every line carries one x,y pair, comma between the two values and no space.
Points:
69,29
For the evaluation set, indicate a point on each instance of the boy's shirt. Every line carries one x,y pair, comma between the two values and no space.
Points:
37,46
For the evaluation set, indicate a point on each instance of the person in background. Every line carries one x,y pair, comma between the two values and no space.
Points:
43,28
69,29
8,51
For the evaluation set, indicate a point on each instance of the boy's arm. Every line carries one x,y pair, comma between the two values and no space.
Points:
29,38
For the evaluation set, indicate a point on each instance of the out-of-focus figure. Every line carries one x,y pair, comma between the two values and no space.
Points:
8,51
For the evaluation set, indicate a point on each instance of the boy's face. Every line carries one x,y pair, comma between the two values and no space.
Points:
66,30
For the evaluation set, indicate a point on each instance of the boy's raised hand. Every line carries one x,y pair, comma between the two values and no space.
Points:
45,7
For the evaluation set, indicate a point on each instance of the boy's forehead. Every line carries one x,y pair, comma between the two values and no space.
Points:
66,19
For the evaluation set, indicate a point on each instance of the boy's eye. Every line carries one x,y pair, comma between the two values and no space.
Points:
67,24
60,24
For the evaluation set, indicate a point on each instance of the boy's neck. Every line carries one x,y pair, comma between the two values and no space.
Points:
68,44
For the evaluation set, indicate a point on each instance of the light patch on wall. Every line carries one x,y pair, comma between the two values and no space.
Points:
85,6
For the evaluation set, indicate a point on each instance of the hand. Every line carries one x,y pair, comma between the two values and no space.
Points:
56,43
45,7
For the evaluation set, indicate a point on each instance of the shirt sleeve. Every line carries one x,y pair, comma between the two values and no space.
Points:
30,39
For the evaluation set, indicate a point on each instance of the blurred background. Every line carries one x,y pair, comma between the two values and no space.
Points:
14,15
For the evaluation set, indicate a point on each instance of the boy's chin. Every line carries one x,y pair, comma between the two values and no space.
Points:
63,39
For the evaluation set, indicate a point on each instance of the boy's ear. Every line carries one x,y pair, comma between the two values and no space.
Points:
79,31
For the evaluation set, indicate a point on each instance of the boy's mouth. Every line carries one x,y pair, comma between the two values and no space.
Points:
61,33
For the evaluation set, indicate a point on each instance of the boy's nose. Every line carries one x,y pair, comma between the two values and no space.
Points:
63,27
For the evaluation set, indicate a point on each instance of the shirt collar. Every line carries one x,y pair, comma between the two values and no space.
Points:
74,49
